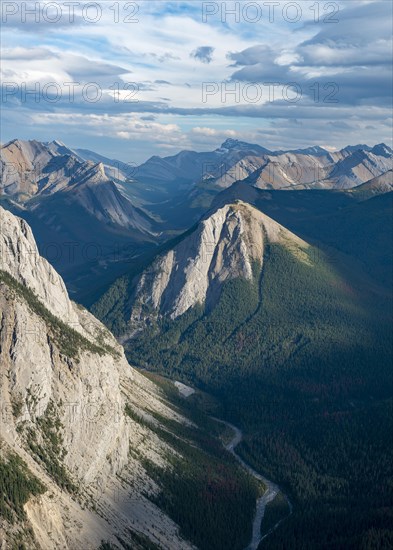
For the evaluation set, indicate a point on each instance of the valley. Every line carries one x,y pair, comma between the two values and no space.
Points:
271,300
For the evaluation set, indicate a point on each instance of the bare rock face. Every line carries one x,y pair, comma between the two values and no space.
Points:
19,256
228,244
65,384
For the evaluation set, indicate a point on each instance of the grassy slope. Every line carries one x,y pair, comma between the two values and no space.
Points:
335,219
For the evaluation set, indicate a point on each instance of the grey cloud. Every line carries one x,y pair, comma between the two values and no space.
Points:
306,109
362,37
358,25
258,66
340,124
204,54
82,68
252,56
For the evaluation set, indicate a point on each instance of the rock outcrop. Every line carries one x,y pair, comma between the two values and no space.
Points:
65,388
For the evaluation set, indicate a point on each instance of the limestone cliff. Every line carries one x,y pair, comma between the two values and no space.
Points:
65,389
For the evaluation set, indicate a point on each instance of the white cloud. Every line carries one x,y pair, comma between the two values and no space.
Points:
203,131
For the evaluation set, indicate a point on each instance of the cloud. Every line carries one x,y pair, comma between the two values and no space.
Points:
26,54
154,58
354,55
204,54
165,57
25,65
204,131
128,127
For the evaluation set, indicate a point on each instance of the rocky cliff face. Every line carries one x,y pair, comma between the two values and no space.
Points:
65,387
227,244
20,258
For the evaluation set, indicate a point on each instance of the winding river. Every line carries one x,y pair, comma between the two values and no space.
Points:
271,489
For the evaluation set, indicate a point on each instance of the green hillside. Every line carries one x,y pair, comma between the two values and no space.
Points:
300,358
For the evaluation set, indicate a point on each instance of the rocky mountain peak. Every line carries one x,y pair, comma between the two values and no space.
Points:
230,143
228,243
382,150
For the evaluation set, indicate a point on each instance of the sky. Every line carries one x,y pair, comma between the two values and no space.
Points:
134,79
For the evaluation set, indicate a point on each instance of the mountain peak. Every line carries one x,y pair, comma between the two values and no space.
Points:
227,244
58,142
358,147
236,146
230,143
382,150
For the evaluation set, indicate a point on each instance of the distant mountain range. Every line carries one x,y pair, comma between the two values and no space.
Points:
179,188
31,168
235,161
93,215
